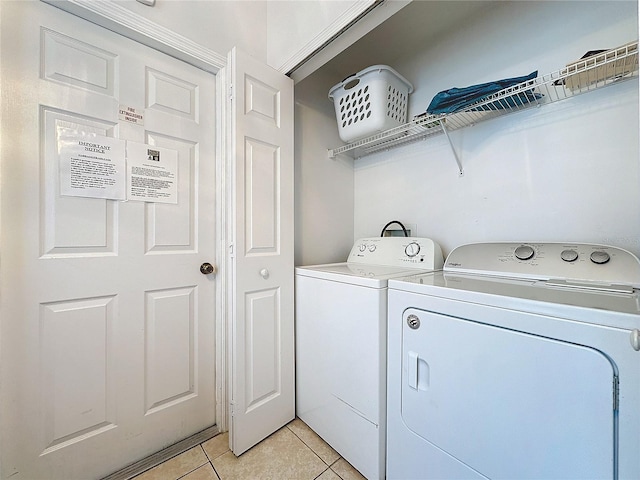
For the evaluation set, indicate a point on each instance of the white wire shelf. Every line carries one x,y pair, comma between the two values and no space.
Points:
579,77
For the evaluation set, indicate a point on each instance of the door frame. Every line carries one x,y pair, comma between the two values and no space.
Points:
124,22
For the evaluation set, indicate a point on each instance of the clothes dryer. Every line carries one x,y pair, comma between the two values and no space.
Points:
341,326
517,361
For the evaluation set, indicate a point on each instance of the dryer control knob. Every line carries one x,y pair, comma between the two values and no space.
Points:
600,257
412,249
362,247
569,255
524,252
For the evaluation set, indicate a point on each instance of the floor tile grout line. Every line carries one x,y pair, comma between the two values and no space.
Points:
327,469
320,474
214,467
212,459
329,465
312,450
199,466
340,457
306,445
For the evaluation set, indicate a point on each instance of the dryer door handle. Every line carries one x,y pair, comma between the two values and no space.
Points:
418,371
412,370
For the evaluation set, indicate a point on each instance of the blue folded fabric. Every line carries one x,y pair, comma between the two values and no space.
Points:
454,99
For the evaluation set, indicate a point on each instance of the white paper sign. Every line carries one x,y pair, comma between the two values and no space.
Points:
91,165
152,173
131,115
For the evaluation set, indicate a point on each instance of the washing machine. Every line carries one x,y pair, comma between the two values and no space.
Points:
517,361
341,330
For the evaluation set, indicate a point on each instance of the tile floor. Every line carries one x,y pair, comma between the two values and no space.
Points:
295,452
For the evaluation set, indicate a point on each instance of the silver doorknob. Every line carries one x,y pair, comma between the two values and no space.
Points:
264,273
207,269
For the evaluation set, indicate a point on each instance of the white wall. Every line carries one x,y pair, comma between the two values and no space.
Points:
280,33
565,172
513,39
293,25
550,175
216,24
323,188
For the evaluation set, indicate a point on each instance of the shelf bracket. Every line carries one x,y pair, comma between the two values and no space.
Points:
455,155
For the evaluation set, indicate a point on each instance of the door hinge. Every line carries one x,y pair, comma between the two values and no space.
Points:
231,254
616,393
230,92
233,409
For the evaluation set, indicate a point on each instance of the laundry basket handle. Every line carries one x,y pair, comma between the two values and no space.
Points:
351,81
348,83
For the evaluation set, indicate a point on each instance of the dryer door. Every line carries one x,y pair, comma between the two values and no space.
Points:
506,403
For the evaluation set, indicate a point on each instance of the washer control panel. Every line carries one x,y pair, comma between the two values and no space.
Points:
411,252
571,262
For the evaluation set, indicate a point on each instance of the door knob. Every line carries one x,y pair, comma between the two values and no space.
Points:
207,269
265,273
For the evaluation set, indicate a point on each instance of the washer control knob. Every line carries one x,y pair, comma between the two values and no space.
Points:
372,248
569,255
412,249
362,247
524,252
600,257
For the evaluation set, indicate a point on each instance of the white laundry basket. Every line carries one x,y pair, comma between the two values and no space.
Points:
372,100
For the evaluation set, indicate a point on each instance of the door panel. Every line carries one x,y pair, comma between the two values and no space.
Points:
171,95
107,350
72,226
477,391
262,347
262,172
90,407
77,64
173,228
169,347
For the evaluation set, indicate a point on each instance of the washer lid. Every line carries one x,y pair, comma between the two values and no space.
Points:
375,276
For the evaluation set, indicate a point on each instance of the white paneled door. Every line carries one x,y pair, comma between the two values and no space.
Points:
262,346
107,334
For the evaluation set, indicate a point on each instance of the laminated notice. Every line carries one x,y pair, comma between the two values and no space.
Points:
91,165
152,173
